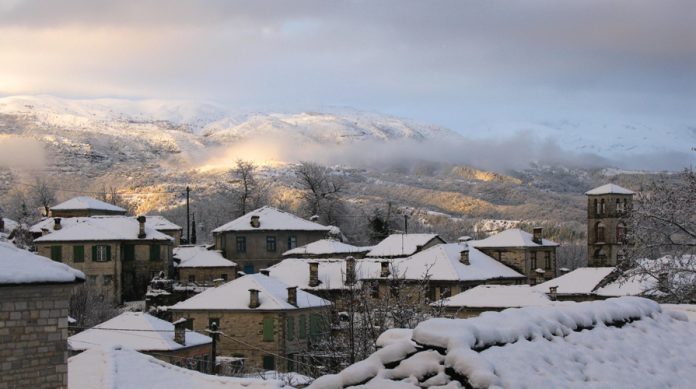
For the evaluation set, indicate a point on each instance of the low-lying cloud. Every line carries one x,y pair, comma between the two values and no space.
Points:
21,153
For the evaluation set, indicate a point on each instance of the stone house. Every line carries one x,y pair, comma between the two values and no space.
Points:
266,323
34,298
258,239
526,253
119,254
608,208
85,206
201,266
403,245
327,248
139,331
163,225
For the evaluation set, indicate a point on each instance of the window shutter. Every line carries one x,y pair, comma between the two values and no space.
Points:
268,330
291,328
94,253
303,327
108,252
78,253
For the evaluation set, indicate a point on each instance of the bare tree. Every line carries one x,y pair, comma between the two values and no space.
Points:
321,190
661,238
251,192
89,308
44,195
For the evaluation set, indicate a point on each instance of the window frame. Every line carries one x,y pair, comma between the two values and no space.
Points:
271,243
240,245
292,242
101,253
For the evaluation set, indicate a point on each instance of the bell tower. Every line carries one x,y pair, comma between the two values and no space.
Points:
608,207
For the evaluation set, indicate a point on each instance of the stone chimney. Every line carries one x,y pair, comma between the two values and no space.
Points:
180,331
254,298
536,235
256,221
350,270
56,224
314,218
564,270
292,295
384,269
44,231
265,272
141,232
314,274
464,257
553,293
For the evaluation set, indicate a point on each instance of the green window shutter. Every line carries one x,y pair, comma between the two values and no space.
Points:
268,329
129,252
94,253
78,253
268,362
108,252
291,328
57,253
155,252
313,326
303,326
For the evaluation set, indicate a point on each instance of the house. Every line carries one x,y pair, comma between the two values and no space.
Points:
34,298
327,248
527,253
403,245
258,239
579,284
199,265
483,298
85,206
617,343
142,332
123,368
446,269
161,224
119,254
7,226
265,322
608,208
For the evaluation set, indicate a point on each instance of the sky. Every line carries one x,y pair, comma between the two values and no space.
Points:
451,63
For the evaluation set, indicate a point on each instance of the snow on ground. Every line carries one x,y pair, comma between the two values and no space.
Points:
109,368
137,331
19,266
617,343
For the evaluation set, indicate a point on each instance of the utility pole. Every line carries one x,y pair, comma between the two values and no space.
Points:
405,224
214,333
188,225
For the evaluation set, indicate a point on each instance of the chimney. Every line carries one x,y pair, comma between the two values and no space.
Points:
265,272
256,221
536,235
553,293
350,270
384,269
663,282
56,223
464,257
564,270
218,281
314,218
180,331
254,298
141,232
292,295
44,231
314,274
464,238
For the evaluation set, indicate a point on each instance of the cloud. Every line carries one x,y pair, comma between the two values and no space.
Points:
21,153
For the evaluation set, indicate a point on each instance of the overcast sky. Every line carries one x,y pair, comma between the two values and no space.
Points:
450,63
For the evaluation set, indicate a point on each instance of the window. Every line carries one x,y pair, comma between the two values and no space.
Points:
315,325
291,362
78,254
192,278
241,244
205,364
155,252
101,253
271,243
533,260
621,233
374,289
129,252
268,329
249,268
223,276
292,242
57,253
291,328
603,208
108,280
303,327
599,232
189,324
445,292
619,206
92,280
596,207
547,260
268,362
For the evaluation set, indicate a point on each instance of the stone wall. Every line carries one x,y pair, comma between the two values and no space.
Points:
33,335
206,274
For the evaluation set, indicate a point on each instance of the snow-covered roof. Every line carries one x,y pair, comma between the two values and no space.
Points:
609,189
332,272
160,223
128,369
513,237
271,219
401,245
583,280
442,263
19,266
326,247
84,203
497,296
101,228
234,295
10,225
137,331
617,343
199,256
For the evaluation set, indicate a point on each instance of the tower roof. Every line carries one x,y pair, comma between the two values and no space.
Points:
609,189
